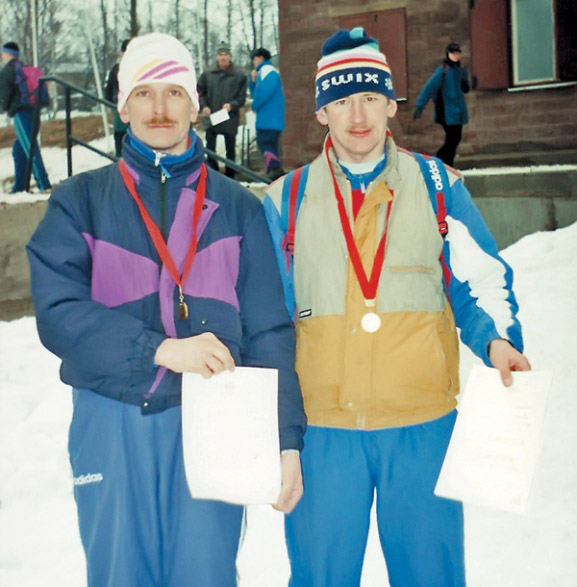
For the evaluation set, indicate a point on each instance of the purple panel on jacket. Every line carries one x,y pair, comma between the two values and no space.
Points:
215,272
159,376
178,243
119,276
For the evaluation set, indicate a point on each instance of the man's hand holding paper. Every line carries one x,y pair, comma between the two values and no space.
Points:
497,437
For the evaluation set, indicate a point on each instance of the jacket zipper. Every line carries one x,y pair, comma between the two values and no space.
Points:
162,196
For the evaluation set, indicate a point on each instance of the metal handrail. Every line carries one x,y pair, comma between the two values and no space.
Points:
73,140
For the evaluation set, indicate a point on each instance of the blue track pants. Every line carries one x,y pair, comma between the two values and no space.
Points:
21,151
268,144
421,535
138,524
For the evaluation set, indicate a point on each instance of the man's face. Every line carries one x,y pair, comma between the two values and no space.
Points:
223,59
6,57
358,125
160,116
257,60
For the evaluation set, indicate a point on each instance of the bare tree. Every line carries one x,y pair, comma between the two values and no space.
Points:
105,35
255,16
134,28
261,27
229,10
252,14
62,44
177,19
205,35
274,25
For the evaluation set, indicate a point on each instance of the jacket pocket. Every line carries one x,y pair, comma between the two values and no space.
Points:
416,357
319,363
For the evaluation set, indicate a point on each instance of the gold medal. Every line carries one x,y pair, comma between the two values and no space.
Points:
183,310
370,322
182,307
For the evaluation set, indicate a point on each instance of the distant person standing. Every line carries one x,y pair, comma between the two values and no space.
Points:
17,101
447,88
265,86
222,88
111,93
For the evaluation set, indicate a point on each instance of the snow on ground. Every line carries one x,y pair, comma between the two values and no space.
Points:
39,542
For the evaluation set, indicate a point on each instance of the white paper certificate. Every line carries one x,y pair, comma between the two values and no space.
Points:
230,436
494,447
219,116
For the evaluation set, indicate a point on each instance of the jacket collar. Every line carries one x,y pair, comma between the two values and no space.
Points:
260,65
147,163
390,174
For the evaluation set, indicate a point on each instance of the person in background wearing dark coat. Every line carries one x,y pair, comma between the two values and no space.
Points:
16,101
111,93
447,88
222,88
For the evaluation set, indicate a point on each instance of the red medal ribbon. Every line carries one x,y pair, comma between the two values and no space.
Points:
156,235
368,286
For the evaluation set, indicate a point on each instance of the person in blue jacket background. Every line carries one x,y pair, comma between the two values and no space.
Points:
140,271
447,88
265,86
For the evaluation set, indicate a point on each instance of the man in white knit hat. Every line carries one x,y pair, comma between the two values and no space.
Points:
141,271
377,347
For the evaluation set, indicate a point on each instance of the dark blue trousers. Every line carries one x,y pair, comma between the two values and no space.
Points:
138,524
267,142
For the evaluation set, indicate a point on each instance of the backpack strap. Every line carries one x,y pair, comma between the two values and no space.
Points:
293,191
440,194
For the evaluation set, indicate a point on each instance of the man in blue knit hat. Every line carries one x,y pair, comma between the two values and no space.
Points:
376,316
16,101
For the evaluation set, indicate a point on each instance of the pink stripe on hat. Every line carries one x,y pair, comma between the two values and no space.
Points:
172,71
159,67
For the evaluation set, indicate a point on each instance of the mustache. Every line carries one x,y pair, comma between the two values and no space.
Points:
160,120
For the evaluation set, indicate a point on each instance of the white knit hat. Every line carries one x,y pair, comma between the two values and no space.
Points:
156,58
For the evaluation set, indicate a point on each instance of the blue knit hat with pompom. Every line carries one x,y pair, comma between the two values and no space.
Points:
351,63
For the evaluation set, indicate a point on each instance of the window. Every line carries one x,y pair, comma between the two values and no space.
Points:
533,41
516,43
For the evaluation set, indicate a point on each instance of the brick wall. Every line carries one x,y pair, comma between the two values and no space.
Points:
500,121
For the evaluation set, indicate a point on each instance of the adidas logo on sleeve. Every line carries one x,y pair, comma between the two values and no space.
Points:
88,479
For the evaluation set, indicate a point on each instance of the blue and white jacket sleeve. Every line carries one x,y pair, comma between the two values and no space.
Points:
265,88
480,288
283,259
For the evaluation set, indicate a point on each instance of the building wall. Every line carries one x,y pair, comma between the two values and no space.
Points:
501,121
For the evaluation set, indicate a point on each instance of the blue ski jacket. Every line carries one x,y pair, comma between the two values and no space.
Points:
104,302
454,84
268,98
